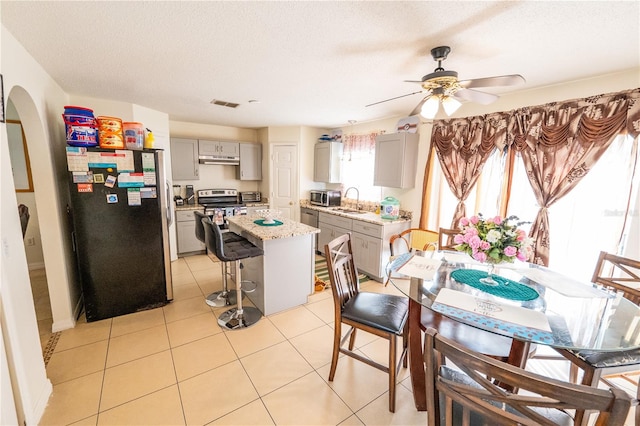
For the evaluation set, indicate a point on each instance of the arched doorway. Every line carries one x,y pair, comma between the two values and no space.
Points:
50,197
25,196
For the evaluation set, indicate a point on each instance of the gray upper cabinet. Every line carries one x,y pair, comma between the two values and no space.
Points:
219,148
326,162
184,159
250,162
396,160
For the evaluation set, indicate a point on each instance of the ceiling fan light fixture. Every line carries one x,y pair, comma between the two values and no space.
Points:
430,107
450,104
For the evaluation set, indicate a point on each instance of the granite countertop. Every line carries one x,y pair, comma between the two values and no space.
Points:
189,207
289,228
370,217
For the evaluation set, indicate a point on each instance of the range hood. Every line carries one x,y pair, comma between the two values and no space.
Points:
219,159
219,152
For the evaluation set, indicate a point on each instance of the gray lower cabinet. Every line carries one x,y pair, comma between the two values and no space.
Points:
369,241
186,233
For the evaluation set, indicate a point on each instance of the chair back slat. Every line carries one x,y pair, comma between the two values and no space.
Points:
475,388
445,238
343,274
620,274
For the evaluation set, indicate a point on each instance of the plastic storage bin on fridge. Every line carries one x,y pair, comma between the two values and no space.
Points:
133,135
390,208
81,126
110,134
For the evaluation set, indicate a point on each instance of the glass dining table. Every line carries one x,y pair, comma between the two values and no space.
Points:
529,303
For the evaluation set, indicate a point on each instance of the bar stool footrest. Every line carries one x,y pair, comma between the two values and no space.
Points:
248,286
220,299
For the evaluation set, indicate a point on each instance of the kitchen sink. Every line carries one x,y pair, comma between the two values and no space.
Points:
350,211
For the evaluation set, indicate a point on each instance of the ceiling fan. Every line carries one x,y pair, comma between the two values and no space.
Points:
443,87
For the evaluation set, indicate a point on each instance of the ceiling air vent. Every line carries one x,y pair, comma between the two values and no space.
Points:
224,103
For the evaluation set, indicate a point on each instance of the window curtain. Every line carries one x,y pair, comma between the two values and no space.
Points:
359,145
462,146
560,142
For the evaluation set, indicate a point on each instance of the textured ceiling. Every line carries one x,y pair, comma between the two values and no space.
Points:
312,63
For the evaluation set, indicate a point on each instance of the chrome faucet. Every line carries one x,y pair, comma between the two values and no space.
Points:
357,196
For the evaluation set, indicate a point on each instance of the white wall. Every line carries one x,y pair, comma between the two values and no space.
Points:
38,100
216,175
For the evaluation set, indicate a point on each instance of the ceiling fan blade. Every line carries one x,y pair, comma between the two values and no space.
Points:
475,96
418,107
390,99
500,80
413,81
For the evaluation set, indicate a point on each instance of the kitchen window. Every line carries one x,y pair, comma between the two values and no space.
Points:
358,160
591,218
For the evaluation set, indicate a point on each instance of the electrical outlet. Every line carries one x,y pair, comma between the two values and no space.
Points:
31,241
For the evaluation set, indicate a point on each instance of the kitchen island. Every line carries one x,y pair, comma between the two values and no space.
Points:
284,275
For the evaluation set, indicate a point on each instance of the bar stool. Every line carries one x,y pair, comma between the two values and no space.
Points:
233,251
217,299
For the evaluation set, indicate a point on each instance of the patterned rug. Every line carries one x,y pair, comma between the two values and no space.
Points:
322,275
50,347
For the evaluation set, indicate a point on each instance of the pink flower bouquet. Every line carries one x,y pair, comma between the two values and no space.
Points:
493,240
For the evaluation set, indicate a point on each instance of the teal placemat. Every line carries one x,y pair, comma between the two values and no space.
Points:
262,222
507,289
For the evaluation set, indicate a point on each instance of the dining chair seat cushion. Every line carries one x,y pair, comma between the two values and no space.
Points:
381,311
557,416
609,359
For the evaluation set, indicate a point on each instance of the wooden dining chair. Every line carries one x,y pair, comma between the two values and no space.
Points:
383,315
445,238
459,392
621,275
409,240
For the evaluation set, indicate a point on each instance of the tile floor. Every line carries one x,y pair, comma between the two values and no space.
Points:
175,366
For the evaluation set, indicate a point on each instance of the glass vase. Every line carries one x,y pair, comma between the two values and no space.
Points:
489,280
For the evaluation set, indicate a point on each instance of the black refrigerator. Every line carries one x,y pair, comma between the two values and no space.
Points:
121,215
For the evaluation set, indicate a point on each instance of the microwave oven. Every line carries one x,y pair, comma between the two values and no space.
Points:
325,198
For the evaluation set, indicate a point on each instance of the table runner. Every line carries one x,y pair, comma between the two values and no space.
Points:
506,288
514,320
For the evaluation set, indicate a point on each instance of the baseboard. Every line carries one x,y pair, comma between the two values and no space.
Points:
40,404
62,325
70,322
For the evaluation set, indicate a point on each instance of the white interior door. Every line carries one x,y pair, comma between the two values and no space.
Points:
284,180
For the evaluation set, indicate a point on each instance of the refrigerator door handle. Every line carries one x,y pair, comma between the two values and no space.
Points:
73,241
169,212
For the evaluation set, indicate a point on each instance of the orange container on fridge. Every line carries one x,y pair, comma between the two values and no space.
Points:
110,134
133,135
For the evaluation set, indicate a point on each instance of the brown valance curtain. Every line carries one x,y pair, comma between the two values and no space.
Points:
463,145
559,143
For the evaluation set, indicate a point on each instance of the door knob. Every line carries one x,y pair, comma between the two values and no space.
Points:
290,203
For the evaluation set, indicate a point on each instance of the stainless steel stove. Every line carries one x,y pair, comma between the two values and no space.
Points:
220,203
